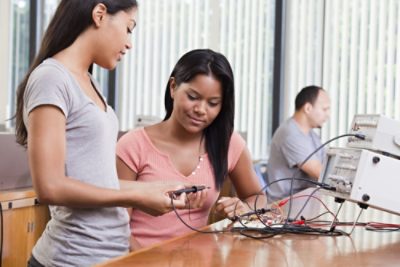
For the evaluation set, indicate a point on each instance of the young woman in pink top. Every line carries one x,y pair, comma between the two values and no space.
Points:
194,143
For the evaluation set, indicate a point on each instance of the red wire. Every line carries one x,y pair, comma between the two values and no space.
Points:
376,225
283,202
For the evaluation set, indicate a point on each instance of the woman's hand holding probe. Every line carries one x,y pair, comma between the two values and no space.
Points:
155,198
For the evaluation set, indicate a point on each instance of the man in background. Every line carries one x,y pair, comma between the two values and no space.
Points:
294,141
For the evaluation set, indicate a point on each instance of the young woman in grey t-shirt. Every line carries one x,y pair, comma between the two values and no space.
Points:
70,133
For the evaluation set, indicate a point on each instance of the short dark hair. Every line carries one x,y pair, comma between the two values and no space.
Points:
219,132
71,18
308,94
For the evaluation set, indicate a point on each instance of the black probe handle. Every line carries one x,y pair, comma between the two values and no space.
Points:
192,189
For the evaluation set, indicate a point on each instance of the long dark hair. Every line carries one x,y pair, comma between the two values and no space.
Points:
218,133
71,18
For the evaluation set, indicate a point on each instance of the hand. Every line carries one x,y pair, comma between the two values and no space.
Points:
154,197
231,207
196,200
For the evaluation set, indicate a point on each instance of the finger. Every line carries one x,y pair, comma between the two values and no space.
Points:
228,200
223,205
234,210
200,199
230,215
229,209
203,197
180,202
223,199
174,186
196,199
219,207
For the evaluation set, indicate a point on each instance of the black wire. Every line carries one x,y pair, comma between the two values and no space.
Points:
320,215
191,227
292,179
269,231
360,136
285,228
338,223
386,229
243,232
259,212
239,218
306,202
322,185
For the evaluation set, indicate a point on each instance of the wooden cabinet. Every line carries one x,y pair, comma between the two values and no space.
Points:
23,222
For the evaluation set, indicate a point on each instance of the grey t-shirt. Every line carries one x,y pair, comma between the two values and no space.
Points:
289,148
79,236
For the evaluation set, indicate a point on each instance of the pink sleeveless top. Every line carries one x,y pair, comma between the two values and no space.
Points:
138,152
